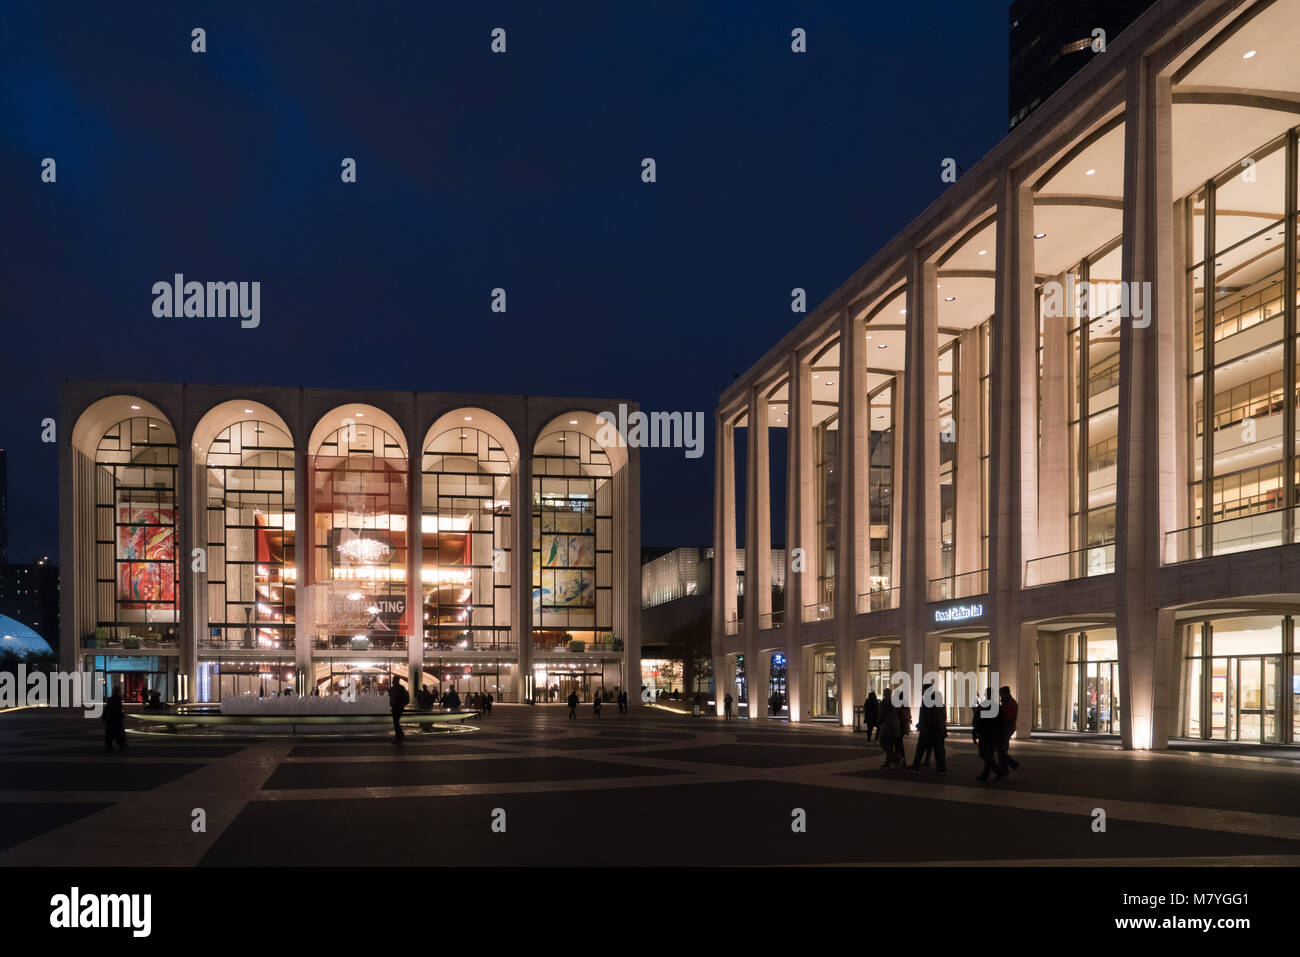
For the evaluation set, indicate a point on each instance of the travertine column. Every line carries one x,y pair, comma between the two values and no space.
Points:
1147,449
970,519
521,566
1014,464
798,448
1052,681
853,534
758,543
415,560
920,477
724,534
1054,444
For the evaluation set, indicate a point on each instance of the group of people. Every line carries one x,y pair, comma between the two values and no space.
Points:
620,698
427,700
889,722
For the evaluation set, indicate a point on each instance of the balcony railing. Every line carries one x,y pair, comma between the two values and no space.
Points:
1080,563
577,646
731,625
1243,534
959,586
773,619
822,611
147,646
878,599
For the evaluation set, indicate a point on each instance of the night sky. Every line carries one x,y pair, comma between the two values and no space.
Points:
474,171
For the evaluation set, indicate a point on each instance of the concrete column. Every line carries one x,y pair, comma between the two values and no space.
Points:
970,506
853,536
415,560
191,533
627,527
305,620
897,472
1052,683
724,539
1054,444
521,566
920,475
1147,443
796,420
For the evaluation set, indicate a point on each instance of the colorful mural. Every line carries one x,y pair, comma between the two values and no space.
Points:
146,549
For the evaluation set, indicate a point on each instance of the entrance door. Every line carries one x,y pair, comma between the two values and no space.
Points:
1101,693
776,685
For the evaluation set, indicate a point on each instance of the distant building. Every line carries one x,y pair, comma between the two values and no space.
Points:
1052,39
29,593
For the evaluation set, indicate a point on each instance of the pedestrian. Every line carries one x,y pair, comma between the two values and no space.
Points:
398,699
890,731
905,726
114,723
487,702
726,707
986,729
573,705
1007,711
871,713
932,728
595,706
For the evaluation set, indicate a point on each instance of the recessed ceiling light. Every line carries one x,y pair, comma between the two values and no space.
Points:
882,346
983,251
359,415
949,298
469,418
1039,235
1089,172
573,422
902,312
868,337
135,408
1248,54
829,382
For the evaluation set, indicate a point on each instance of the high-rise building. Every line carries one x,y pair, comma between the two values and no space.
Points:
29,593
1052,39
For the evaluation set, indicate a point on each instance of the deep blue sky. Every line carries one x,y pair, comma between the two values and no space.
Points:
475,170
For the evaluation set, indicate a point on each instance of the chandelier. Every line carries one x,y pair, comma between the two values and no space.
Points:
357,548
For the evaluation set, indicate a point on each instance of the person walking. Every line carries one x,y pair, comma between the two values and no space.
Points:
487,702
932,728
114,723
595,707
871,713
986,729
573,706
1007,711
890,731
905,726
726,707
398,699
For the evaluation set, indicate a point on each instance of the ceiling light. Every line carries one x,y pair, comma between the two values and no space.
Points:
248,412
1089,172
1039,235
949,298
359,415
829,382
902,312
136,408
983,251
573,422
1248,54
882,346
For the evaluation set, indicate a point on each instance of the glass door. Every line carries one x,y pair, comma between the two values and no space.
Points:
1271,699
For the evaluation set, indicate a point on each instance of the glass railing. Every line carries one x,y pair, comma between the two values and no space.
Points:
731,626
822,611
773,619
1080,563
878,599
1243,534
959,586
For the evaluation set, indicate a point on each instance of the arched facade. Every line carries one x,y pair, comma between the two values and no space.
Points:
265,545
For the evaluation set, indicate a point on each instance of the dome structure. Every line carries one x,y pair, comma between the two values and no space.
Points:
21,640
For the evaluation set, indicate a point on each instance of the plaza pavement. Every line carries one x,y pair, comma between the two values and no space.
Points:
654,787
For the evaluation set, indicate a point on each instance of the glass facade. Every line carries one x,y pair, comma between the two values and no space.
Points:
1239,680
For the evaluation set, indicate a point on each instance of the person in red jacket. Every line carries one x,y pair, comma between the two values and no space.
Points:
1007,710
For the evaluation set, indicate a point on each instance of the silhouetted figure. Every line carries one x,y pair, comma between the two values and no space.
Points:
114,723
905,728
398,699
932,728
595,706
871,714
1007,711
423,700
726,707
573,705
986,729
891,730
487,703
